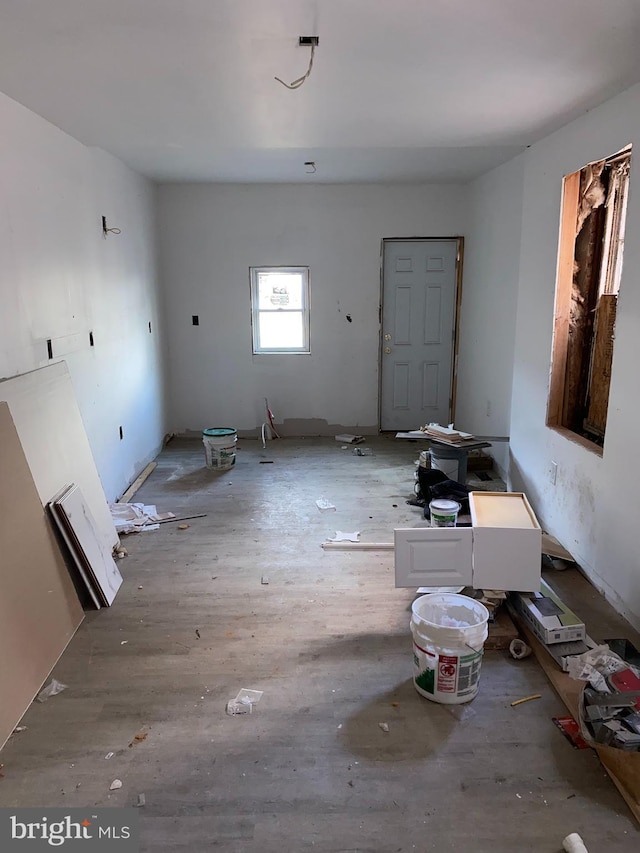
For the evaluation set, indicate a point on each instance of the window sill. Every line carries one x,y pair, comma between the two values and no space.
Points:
591,446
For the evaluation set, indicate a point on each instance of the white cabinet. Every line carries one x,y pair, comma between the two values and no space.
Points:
501,550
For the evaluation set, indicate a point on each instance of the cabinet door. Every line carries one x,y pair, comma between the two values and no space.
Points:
433,556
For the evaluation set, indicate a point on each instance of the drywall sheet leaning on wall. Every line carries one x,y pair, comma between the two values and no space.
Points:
93,560
39,608
46,415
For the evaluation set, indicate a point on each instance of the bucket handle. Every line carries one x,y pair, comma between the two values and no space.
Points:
480,650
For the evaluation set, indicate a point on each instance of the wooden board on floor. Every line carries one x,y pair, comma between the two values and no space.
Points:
45,412
39,608
137,483
501,631
623,767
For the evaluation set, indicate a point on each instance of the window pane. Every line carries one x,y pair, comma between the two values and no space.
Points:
279,290
280,330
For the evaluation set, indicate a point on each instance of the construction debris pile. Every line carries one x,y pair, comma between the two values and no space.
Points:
611,710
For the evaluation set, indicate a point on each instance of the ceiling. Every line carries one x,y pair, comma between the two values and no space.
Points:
400,90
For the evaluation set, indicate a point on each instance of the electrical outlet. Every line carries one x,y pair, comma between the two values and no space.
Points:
553,472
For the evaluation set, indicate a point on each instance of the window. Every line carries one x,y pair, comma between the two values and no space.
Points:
280,309
594,205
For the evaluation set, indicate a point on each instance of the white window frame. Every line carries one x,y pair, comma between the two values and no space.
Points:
254,273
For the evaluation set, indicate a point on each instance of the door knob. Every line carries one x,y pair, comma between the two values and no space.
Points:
387,337
387,350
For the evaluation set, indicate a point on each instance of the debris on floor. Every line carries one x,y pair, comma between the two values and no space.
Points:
183,527
341,536
571,730
197,633
132,518
324,505
519,650
117,783
51,689
574,844
622,765
244,702
142,801
347,438
526,699
109,755
19,729
139,738
264,580
362,451
384,726
610,706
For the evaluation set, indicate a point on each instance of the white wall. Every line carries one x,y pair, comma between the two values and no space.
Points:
593,506
489,299
59,279
209,237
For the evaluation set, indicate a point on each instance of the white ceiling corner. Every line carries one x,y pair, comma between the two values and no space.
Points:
400,90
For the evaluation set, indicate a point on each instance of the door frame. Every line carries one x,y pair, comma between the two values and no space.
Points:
459,241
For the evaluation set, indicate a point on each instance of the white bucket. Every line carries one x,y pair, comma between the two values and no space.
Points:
446,461
443,512
220,447
448,639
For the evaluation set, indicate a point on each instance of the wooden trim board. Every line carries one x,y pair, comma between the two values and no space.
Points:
358,546
137,483
623,767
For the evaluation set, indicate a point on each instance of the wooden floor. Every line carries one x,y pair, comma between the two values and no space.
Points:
327,640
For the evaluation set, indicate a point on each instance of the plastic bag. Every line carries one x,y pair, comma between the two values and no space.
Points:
51,689
595,666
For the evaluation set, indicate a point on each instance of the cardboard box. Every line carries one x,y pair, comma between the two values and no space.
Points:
548,617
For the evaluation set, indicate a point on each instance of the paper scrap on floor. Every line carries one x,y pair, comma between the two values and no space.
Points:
132,518
324,505
347,438
244,701
341,536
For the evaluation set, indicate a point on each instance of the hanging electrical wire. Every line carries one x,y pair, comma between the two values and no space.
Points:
297,83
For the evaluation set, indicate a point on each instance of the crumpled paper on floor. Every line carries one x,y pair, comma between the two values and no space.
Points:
132,518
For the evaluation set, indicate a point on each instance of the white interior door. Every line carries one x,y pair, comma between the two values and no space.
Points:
433,556
418,323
